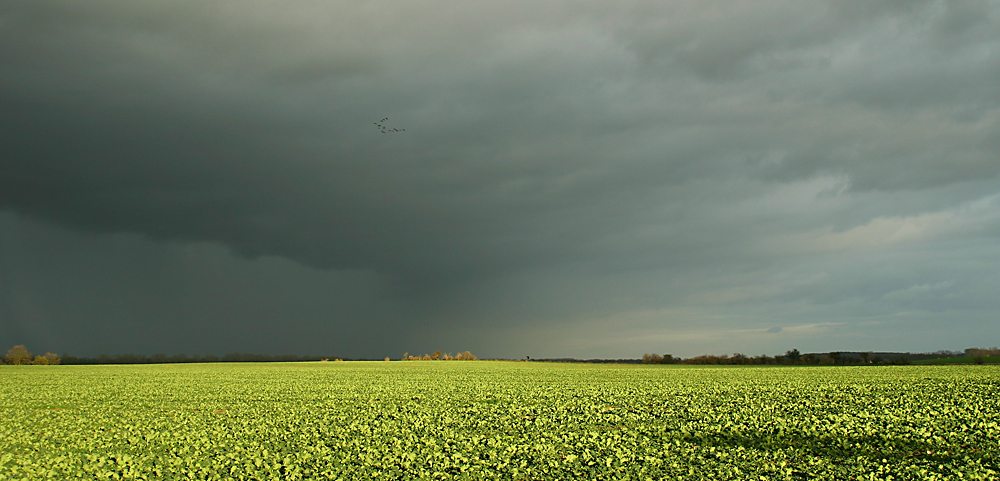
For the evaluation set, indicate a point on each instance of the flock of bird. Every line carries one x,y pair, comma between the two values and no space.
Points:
381,126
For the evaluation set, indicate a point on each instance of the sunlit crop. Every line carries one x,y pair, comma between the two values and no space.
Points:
498,420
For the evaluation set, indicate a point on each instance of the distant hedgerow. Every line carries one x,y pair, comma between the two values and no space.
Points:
439,356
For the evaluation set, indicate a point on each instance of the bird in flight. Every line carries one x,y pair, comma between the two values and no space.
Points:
380,125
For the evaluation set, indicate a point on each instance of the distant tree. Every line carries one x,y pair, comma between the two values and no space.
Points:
901,360
18,355
41,361
944,353
982,351
707,359
436,355
652,359
793,356
866,357
702,359
979,359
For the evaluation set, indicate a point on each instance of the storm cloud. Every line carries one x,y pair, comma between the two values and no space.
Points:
575,178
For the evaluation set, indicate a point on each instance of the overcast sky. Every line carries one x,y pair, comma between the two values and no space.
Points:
576,178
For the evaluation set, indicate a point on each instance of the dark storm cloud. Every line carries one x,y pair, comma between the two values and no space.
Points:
651,157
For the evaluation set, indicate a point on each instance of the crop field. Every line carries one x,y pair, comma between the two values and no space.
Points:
498,420
959,360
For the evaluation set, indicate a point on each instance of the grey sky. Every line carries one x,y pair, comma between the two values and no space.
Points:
585,179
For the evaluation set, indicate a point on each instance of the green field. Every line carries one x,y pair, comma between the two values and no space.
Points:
959,360
498,420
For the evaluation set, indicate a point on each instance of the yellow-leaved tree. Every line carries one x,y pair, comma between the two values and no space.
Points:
18,355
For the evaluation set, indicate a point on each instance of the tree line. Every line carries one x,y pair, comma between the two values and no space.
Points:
791,357
439,356
979,354
19,355
184,358
982,351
